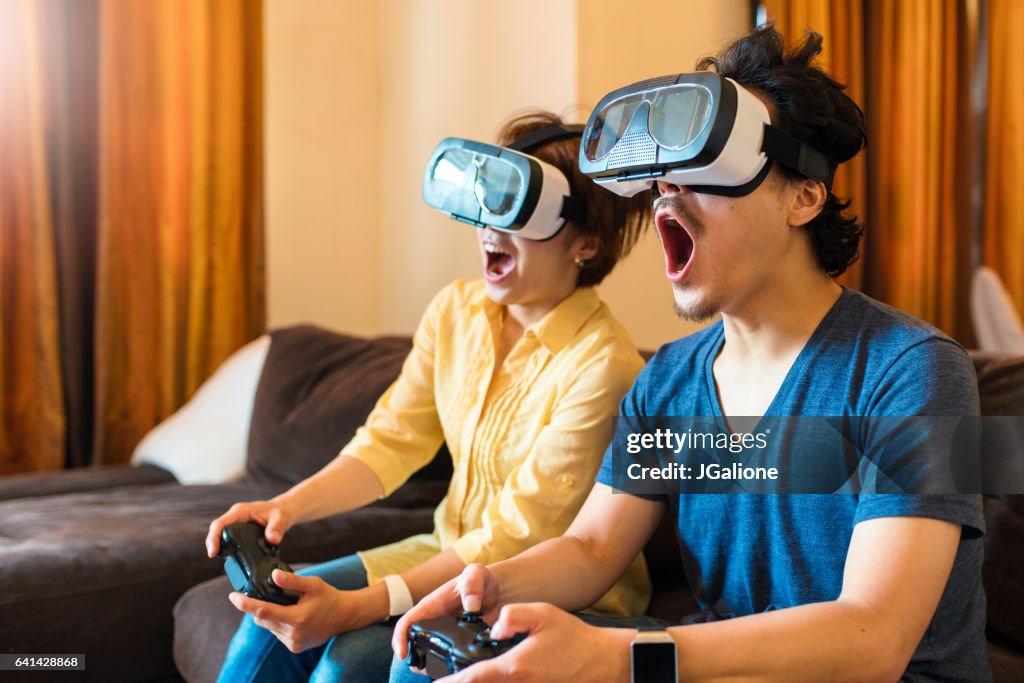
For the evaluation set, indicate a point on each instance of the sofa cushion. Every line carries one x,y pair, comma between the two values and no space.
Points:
204,442
34,484
204,622
99,572
316,389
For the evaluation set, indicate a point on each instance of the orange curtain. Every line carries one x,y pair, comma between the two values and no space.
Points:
919,253
1004,199
840,22
180,266
31,394
131,224
906,62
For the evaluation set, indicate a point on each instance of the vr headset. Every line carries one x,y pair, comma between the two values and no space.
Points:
504,188
695,129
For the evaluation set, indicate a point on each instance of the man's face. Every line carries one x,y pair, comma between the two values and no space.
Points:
721,253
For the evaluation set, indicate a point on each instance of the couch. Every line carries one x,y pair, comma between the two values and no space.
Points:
97,559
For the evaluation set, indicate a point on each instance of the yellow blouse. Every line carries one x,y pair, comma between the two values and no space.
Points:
526,441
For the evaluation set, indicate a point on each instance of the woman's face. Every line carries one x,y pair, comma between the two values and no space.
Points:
534,276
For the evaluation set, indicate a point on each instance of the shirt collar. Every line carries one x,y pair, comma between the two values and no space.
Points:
561,323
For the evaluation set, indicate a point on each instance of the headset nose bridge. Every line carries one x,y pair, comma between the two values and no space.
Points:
638,123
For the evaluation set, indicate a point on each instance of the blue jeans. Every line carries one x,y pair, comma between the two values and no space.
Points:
363,655
400,672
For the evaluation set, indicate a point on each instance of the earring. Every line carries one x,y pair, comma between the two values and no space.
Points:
580,262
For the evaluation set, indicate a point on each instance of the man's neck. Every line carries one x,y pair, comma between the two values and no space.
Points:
778,319
764,340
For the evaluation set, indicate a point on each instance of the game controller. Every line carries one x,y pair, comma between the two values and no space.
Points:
249,561
448,644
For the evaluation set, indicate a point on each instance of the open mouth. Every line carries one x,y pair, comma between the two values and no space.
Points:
677,242
498,262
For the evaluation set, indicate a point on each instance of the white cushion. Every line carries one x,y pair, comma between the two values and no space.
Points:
205,442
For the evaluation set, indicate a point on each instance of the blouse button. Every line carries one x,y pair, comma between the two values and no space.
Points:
567,481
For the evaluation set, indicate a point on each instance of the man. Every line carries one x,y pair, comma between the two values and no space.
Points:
841,586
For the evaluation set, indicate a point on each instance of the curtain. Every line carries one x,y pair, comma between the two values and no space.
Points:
31,401
1004,200
909,63
180,266
919,255
131,234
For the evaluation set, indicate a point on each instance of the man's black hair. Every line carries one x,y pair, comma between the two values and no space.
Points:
813,108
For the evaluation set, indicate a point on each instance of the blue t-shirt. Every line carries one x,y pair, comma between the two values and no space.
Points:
748,553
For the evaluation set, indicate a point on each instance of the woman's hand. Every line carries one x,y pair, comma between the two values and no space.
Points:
476,589
321,613
275,515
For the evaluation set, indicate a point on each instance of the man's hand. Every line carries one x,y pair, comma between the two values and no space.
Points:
558,647
321,613
474,590
272,514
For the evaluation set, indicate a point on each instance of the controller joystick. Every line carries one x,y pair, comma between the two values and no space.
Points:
249,562
448,644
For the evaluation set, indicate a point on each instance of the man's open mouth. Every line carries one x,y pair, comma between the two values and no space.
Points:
499,262
677,242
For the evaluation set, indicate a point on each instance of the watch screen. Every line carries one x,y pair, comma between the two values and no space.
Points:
654,663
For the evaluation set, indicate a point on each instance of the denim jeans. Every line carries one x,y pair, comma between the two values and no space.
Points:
400,672
363,655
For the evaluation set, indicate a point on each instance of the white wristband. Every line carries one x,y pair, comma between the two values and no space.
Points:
399,597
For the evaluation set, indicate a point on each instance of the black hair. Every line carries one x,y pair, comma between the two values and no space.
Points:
812,107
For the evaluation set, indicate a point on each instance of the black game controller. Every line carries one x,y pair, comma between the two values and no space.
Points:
448,644
249,560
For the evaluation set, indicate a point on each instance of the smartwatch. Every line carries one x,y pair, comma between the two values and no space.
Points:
652,658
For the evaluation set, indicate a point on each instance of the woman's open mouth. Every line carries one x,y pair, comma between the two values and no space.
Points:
678,244
498,263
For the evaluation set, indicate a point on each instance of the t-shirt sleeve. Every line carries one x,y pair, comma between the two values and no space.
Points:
923,418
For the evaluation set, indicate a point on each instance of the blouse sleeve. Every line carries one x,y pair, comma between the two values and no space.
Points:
403,432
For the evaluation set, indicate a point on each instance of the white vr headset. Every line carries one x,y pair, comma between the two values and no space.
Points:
695,129
504,188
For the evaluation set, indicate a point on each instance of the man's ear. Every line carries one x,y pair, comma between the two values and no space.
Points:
807,202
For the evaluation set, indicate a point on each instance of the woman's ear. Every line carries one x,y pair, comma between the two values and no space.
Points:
808,201
585,247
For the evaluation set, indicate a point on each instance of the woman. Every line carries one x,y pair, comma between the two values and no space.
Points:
520,374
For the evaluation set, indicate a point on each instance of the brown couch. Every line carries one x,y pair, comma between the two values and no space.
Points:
95,560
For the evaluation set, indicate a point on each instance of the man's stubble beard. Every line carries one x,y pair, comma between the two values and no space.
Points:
696,313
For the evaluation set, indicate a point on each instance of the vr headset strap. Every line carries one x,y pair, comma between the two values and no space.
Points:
797,155
532,141
573,209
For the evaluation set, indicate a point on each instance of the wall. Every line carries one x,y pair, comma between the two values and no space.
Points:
322,99
454,68
359,93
